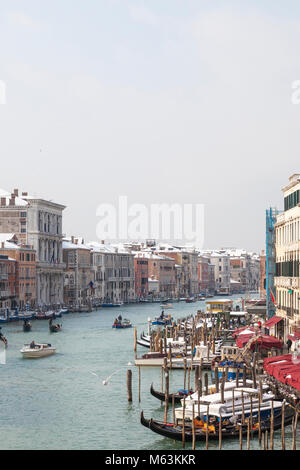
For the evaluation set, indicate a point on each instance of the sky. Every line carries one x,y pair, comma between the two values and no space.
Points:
170,101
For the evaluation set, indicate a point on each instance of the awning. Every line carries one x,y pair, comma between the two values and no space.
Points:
263,342
273,321
285,369
294,337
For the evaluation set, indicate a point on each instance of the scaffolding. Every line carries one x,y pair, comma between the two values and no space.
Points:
271,215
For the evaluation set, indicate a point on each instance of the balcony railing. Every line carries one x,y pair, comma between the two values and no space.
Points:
4,294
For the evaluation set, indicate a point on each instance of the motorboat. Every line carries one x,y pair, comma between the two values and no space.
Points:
162,320
47,315
35,351
64,311
166,306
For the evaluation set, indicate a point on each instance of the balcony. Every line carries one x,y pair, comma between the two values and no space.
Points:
287,282
4,294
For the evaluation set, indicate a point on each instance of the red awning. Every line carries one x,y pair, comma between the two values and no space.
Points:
294,337
263,342
272,322
285,369
238,331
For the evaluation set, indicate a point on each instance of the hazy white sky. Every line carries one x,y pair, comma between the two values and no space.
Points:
184,101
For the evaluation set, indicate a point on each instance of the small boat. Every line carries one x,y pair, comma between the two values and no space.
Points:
143,342
166,306
190,300
178,396
35,351
47,315
26,316
64,311
55,328
27,326
4,340
122,324
111,305
162,321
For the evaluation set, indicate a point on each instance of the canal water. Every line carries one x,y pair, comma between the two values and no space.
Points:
60,402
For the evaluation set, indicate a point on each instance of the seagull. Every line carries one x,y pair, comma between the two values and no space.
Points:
107,380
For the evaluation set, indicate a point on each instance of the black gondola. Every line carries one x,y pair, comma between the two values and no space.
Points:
4,340
232,431
55,328
27,326
178,396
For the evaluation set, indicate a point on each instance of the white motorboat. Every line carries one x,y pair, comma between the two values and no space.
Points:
30,351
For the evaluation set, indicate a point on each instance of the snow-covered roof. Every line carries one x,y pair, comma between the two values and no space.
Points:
68,245
8,246
18,200
6,237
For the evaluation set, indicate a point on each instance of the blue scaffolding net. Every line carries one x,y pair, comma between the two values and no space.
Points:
271,215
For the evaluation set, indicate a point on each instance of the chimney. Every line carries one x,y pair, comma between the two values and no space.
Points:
3,201
72,239
24,194
16,192
103,242
2,245
12,201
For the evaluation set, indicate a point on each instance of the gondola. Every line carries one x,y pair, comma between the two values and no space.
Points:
27,326
178,396
4,340
143,343
55,328
230,432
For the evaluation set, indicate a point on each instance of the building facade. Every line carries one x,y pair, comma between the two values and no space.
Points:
287,247
7,283
114,273
38,223
141,276
79,276
25,279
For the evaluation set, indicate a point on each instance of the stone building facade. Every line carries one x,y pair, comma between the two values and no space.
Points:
287,248
38,223
113,268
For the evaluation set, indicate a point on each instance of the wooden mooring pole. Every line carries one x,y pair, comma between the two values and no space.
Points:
129,385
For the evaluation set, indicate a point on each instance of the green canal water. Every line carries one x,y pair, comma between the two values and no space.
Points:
59,402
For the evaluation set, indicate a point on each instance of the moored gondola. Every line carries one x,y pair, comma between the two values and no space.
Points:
230,431
178,396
